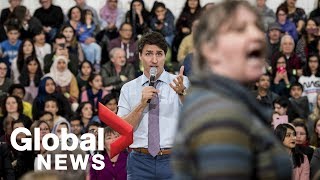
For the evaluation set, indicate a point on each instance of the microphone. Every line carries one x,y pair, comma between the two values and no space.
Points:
152,80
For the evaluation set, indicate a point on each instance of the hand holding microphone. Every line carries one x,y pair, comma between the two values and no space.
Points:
152,79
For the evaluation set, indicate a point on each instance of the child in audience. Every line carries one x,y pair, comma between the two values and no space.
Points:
96,92
51,105
48,118
299,103
111,102
87,115
9,48
86,70
86,31
42,48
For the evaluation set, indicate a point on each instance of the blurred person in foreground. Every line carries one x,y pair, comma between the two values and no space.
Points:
228,137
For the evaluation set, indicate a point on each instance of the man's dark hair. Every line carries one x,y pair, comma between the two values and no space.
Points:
93,124
45,113
54,99
12,28
282,7
153,38
16,86
296,84
17,122
59,36
282,101
125,23
76,118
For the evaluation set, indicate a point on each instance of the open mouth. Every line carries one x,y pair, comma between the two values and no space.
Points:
257,53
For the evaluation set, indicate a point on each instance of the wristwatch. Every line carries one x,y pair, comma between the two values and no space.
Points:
183,93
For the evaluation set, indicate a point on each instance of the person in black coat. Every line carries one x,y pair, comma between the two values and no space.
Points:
6,170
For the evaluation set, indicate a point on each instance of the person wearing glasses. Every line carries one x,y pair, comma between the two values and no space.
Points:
93,129
287,26
126,42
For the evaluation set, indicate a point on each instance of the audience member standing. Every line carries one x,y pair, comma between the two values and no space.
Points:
153,138
228,55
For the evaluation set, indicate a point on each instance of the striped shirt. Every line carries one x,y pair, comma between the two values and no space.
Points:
223,134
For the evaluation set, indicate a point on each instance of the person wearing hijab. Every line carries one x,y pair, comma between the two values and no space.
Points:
111,17
65,80
47,87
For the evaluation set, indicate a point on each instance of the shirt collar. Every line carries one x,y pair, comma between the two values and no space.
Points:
164,77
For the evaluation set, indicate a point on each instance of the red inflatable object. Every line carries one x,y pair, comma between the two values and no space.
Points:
122,127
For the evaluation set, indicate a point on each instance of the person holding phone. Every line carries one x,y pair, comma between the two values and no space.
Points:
60,49
282,78
294,63
277,119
